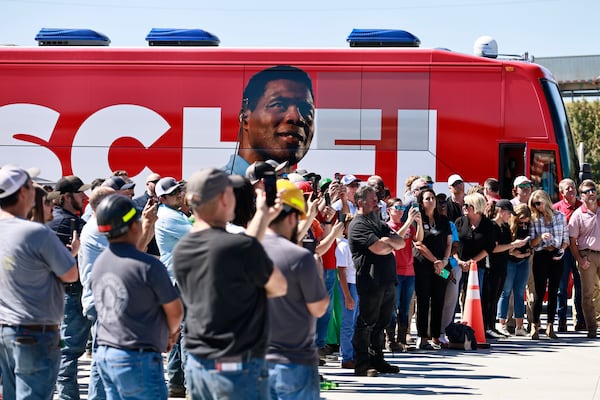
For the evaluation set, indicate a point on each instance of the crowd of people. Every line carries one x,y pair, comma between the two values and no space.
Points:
248,275
240,290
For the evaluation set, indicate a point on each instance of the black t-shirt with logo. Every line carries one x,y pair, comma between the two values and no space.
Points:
222,277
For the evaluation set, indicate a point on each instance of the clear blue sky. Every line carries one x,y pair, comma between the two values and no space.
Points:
541,27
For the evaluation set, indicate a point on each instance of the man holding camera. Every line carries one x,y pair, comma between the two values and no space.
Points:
292,353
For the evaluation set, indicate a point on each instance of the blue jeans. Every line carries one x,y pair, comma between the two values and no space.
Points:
329,275
95,387
29,362
131,374
348,322
75,330
293,381
176,364
204,382
517,274
570,266
405,288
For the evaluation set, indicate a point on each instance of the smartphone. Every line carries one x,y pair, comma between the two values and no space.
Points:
270,182
341,216
337,177
309,244
315,187
414,204
327,199
445,273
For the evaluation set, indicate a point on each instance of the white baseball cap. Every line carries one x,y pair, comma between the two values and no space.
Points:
454,178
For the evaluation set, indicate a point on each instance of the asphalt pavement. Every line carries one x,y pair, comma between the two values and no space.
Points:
512,368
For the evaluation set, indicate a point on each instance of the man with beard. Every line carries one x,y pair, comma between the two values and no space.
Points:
276,119
292,352
75,328
372,244
172,224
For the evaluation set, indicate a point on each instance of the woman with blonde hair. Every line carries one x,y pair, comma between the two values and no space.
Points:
477,240
517,272
549,239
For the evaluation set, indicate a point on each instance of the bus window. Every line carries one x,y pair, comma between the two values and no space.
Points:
543,172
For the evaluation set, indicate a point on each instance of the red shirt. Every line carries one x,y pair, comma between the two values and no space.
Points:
565,208
404,256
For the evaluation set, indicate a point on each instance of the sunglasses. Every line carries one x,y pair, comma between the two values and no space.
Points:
47,202
523,224
457,183
398,208
424,188
441,202
524,185
467,206
537,203
155,182
588,191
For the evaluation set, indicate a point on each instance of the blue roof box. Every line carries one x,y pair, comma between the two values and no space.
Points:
181,37
382,38
71,37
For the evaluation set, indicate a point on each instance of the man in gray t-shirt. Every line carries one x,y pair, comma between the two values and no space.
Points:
292,352
34,265
139,310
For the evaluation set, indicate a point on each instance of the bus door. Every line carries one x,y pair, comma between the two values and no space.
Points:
511,163
544,168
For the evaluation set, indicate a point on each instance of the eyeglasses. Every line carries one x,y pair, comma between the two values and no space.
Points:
537,203
524,185
588,191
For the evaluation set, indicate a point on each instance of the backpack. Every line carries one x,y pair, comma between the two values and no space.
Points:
461,336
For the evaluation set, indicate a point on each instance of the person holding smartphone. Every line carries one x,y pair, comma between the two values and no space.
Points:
411,230
431,270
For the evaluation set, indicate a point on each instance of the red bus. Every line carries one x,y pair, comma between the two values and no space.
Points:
393,112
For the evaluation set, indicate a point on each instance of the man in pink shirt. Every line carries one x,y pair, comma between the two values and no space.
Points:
567,205
584,238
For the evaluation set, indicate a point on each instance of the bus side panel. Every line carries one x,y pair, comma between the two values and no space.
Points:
117,116
468,104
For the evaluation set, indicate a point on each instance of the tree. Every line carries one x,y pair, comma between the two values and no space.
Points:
584,117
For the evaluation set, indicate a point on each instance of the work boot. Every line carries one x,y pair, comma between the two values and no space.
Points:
386,368
550,332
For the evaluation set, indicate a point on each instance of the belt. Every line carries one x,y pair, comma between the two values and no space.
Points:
35,328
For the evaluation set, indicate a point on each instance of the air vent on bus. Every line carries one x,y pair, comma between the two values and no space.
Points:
181,37
71,37
382,38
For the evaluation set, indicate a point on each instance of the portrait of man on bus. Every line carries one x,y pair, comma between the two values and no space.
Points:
276,118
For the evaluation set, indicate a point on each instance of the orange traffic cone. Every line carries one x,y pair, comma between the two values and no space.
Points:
473,315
